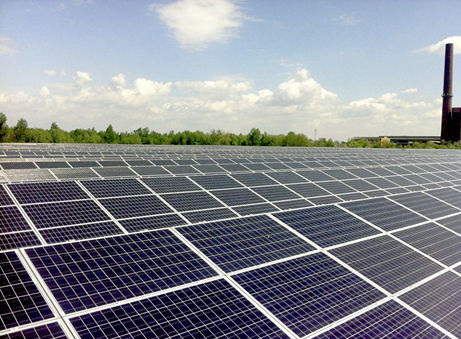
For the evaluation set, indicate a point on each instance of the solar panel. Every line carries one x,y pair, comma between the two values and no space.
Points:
17,165
91,273
11,220
435,241
241,243
150,170
453,223
389,320
275,193
64,213
439,299
18,239
171,184
152,223
74,173
288,205
239,196
107,172
213,309
387,262
51,330
52,164
87,231
425,204
255,209
254,179
339,174
181,169
191,201
327,225
115,188
314,175
211,182
135,206
308,293
84,163
21,300
286,177
448,195
308,190
209,215
47,192
29,175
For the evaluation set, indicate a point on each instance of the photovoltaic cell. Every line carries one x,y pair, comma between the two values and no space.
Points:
451,196
79,232
65,213
339,174
29,175
240,196
47,192
327,225
209,215
255,209
52,164
308,190
286,177
112,163
387,262
18,239
434,241
213,309
191,201
314,175
209,168
425,204
152,223
241,243
17,165
308,293
439,299
384,213
84,163
91,273
115,188
107,172
11,220
275,193
4,198
20,300
51,331
171,184
181,169
150,170
211,182
330,199
335,187
135,206
453,223
389,320
288,205
254,179
74,173
381,182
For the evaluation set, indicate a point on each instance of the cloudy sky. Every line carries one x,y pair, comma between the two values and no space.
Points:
344,68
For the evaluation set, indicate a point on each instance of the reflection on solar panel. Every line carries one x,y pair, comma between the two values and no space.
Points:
20,299
303,293
241,243
387,262
206,241
85,274
438,299
389,320
327,225
213,309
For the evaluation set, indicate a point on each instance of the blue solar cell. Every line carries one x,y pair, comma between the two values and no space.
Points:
308,293
135,206
48,331
209,215
115,188
47,192
275,193
425,204
11,220
65,213
389,320
235,197
191,201
435,241
384,213
91,273
255,209
327,225
254,179
87,231
451,196
387,262
288,205
214,309
20,300
171,184
18,240
4,198
439,299
211,182
241,243
308,190
152,223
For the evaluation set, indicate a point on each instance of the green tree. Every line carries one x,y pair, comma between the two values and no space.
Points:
3,127
254,137
20,130
110,136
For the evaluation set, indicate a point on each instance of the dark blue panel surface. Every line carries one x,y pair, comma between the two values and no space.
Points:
214,309
115,188
135,206
47,192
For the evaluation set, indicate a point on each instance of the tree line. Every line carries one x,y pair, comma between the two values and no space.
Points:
21,132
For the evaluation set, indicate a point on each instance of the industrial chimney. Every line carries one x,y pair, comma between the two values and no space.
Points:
451,116
447,94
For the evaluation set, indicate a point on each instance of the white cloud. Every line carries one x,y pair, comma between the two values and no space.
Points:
44,91
300,103
439,47
82,78
6,46
53,72
410,90
197,23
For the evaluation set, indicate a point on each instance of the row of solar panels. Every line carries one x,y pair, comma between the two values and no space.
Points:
297,274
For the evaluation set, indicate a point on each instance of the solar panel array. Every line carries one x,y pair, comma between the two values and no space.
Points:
207,241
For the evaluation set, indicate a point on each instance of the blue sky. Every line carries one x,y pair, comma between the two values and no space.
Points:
345,68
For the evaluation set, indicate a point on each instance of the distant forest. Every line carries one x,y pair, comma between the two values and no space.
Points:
21,132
